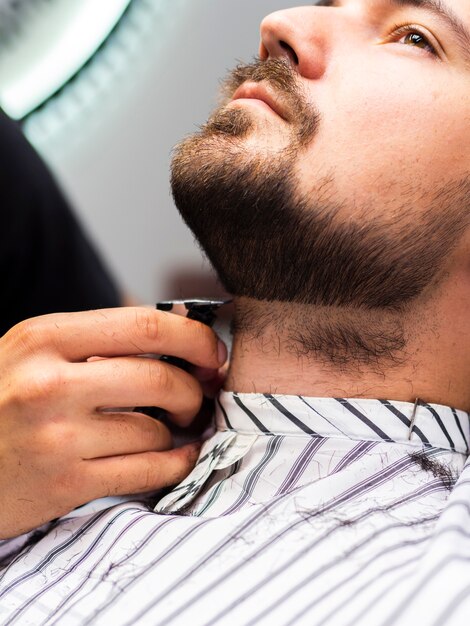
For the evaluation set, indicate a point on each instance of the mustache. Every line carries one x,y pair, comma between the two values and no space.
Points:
284,79
277,72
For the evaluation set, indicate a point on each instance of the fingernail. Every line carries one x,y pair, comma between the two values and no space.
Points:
222,352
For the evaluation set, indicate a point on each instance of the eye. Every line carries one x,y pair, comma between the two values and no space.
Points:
411,35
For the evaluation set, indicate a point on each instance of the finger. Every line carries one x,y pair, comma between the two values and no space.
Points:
140,473
121,332
211,380
111,434
138,381
203,374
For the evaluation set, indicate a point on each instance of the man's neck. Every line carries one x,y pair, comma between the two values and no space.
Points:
433,363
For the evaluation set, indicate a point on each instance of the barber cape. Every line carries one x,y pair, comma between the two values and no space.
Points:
300,511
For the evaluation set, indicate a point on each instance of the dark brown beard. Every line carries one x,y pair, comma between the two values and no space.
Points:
268,242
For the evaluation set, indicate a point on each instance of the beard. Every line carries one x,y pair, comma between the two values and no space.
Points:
268,241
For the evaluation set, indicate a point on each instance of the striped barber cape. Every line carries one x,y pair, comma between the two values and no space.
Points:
300,511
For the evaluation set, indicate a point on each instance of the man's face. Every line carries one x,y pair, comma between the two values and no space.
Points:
357,159
392,83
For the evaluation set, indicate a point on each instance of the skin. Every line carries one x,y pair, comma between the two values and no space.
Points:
393,119
58,447
392,115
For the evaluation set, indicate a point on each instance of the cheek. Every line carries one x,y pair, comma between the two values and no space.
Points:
388,131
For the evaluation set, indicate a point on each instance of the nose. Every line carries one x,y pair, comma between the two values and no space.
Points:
296,35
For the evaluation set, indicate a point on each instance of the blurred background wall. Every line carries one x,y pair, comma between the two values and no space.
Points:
112,156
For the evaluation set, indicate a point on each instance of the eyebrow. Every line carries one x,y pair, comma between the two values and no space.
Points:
437,8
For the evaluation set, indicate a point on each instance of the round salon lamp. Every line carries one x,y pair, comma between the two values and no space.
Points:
58,57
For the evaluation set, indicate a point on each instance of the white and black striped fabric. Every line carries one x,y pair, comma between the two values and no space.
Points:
314,511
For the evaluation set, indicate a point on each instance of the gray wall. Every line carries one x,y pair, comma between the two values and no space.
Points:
113,162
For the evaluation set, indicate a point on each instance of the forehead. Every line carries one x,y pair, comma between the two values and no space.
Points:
462,8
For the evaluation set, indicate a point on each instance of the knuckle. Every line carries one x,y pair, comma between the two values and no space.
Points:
189,399
42,386
57,438
177,473
148,480
159,435
30,333
159,376
196,395
147,323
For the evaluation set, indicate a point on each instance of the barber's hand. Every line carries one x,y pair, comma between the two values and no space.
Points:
58,448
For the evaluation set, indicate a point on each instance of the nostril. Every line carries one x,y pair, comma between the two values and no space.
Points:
290,52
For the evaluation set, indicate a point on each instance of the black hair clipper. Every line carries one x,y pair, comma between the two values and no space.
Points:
204,311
